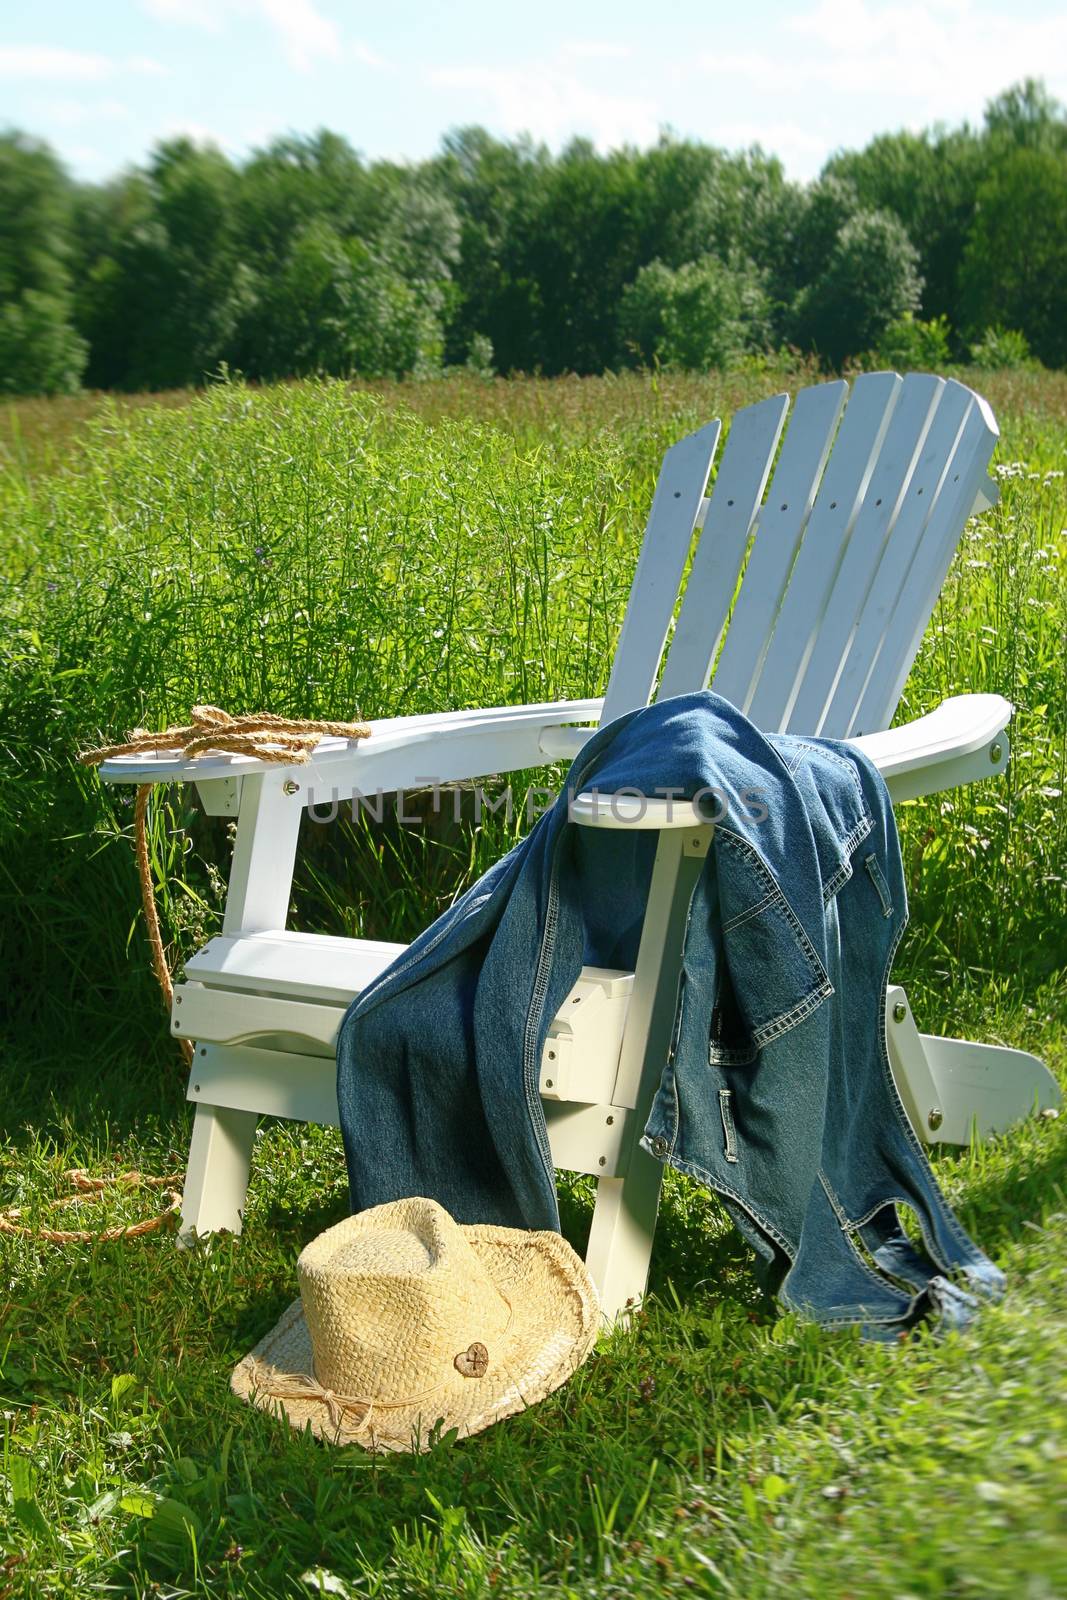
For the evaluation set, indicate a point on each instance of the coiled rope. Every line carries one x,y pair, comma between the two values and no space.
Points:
268,737
285,741
85,1186
259,733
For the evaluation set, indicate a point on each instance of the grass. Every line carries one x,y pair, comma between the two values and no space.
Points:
317,550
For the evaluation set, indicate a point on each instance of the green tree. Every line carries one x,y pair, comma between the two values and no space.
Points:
700,315
494,187
1013,266
1027,117
165,302
580,246
40,351
869,280
929,182
295,181
334,307
911,345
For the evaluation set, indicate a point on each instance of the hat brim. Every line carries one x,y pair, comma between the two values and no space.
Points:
555,1317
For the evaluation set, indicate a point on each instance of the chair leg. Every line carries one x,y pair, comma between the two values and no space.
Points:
620,1239
624,1218
216,1180
952,1088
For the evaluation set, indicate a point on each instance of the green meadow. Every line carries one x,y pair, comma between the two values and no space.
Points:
322,550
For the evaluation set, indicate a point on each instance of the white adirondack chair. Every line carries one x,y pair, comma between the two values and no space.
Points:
869,494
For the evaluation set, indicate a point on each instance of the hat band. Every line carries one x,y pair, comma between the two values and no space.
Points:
303,1386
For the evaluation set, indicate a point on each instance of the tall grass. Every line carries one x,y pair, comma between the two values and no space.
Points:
316,550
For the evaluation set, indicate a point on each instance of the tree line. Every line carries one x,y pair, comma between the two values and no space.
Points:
918,249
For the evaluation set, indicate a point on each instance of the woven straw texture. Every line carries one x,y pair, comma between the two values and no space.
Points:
409,1325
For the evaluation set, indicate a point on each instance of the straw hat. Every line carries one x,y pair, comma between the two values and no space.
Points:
407,1320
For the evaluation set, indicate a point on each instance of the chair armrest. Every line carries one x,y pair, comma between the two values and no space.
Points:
960,742
444,747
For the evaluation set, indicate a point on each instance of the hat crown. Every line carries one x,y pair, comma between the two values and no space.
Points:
392,1298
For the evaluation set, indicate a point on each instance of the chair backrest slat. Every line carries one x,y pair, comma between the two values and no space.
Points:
803,616
739,484
778,535
873,526
664,552
957,445
813,593
956,492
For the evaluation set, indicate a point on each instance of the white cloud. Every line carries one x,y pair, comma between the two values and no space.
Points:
147,67
597,50
551,104
52,65
198,132
363,53
44,64
795,145
193,13
304,33
75,113
86,155
937,60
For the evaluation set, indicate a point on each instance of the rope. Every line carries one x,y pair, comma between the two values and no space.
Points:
287,740
85,1185
282,740
151,915
305,1386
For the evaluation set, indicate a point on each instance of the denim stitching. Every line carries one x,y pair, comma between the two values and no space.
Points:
856,1314
745,916
859,832
844,762
893,1200
874,872
849,845
847,1229
675,1120
774,890
824,988
789,1019
694,1170
533,1016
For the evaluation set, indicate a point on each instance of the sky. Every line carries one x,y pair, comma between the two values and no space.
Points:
103,80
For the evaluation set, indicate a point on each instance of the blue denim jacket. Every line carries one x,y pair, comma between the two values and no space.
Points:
777,1091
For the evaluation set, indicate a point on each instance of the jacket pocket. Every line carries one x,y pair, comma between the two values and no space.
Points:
772,976
730,1041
